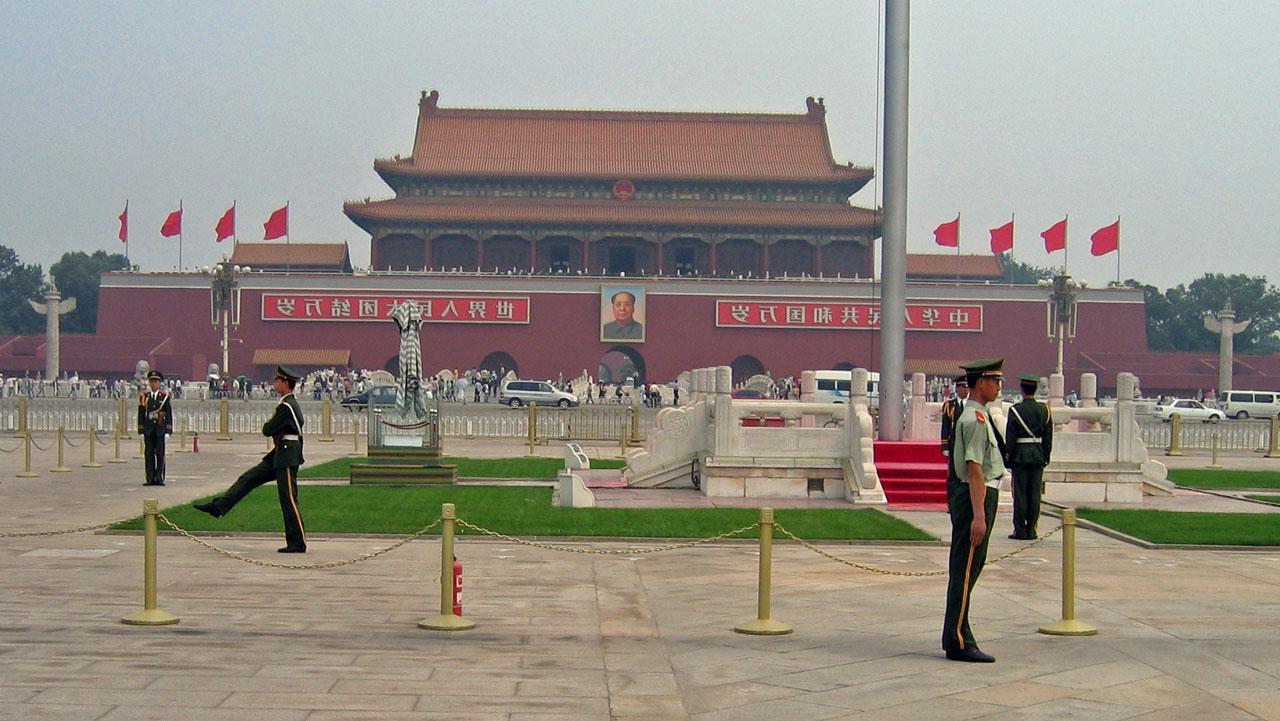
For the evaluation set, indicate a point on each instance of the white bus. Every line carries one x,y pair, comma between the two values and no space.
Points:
833,387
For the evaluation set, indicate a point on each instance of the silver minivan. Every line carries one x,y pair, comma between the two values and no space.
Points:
1249,404
542,393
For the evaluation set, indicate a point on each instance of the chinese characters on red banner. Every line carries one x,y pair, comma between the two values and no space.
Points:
435,309
857,316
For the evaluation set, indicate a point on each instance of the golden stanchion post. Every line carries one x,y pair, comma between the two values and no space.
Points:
60,468
446,621
634,413
1214,462
117,458
1175,435
121,418
26,471
1068,625
762,624
326,421
224,421
149,615
1273,443
142,447
355,436
182,436
93,445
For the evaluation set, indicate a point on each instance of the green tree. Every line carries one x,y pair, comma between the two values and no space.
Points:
1018,273
1175,318
78,276
19,282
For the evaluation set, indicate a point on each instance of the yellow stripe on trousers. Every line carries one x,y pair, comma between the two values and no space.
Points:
291,488
964,598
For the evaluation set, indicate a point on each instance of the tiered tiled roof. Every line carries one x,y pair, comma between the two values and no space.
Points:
609,212
947,266
788,148
279,255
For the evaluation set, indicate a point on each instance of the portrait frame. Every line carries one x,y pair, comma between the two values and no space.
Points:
610,329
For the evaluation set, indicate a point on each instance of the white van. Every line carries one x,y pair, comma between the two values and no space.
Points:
833,387
1249,404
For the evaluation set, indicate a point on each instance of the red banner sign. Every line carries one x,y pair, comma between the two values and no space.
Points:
435,308
856,316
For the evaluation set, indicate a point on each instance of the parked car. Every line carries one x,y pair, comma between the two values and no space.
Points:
1249,404
542,393
378,395
1188,410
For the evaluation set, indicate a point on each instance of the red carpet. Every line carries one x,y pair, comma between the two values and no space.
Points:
913,473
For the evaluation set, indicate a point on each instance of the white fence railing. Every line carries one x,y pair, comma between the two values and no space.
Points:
1242,435
488,420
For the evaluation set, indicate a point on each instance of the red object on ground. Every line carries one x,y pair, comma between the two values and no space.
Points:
195,443
457,587
912,472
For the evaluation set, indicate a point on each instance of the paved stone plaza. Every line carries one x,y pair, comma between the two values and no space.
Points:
1184,634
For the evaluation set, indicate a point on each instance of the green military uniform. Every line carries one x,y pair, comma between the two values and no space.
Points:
1029,435
280,464
950,412
155,419
976,441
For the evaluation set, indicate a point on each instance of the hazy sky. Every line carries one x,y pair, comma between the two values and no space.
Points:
1164,113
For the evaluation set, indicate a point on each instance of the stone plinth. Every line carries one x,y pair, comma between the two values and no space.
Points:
747,481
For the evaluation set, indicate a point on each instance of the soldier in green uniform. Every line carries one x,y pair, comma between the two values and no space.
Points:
155,420
280,464
973,493
1029,436
951,411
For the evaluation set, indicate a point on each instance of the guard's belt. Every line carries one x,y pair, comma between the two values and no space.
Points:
1020,440
290,437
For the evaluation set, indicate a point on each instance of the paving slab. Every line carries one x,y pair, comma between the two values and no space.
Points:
1184,634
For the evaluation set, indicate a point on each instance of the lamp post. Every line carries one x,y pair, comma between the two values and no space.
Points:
1061,317
224,303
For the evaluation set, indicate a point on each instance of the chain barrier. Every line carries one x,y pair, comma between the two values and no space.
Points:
607,552
913,574
39,447
62,531
66,439
11,450
297,566
98,435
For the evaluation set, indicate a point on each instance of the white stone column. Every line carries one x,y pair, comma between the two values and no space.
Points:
1057,384
1125,426
723,379
808,384
917,417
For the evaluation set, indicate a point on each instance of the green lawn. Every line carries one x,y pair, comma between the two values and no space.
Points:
469,467
400,510
1202,478
1232,529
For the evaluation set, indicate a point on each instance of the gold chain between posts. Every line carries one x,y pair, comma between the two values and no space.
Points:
62,531
37,445
11,450
607,552
888,572
299,566
67,440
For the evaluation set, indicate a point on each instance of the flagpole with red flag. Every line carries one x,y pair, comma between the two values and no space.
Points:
1106,240
277,226
123,234
226,227
1002,237
1055,239
173,226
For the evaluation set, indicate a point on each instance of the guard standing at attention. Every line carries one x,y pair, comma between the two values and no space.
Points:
973,493
951,411
280,464
1029,436
155,419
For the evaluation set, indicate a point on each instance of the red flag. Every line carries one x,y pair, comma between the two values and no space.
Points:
277,226
1055,238
1106,239
226,224
1002,238
948,234
124,224
172,224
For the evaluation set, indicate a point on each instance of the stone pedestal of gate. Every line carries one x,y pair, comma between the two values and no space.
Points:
403,451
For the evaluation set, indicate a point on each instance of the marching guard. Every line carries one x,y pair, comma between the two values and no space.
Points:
155,420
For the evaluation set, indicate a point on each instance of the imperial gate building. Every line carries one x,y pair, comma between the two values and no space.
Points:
733,235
